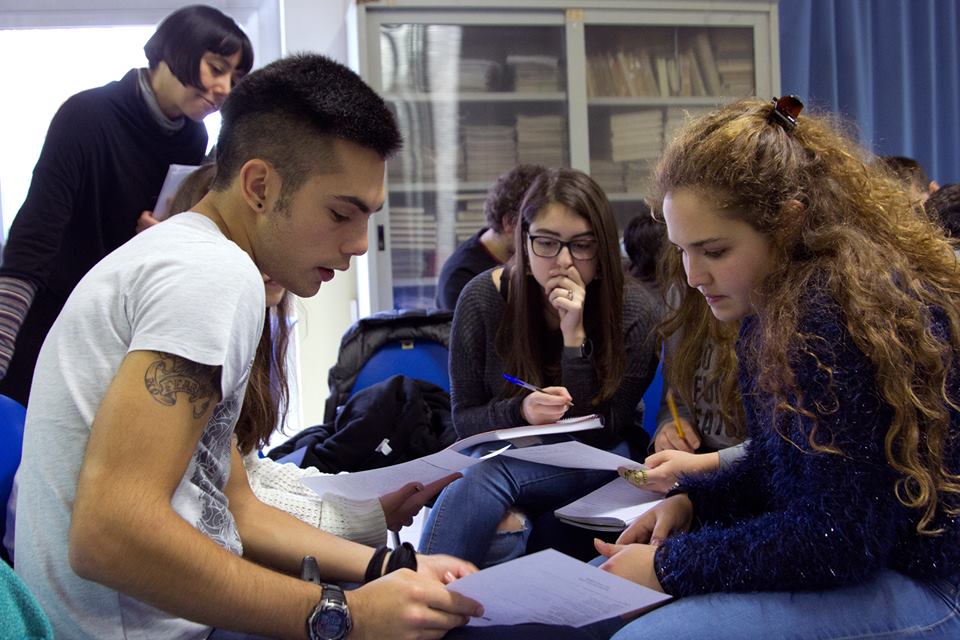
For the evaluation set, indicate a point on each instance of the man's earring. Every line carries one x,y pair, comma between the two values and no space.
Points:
259,205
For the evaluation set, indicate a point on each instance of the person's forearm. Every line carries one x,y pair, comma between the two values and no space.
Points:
494,414
16,296
149,552
274,538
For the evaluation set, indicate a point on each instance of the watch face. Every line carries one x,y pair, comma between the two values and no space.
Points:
332,623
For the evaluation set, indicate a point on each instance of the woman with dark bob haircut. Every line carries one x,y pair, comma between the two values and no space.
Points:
100,171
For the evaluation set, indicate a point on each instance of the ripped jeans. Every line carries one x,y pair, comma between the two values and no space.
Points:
463,521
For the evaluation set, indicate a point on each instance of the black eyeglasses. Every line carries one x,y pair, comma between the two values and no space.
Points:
548,247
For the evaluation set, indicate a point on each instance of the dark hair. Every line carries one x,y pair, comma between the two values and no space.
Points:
505,196
186,34
193,188
268,391
907,170
523,320
943,206
643,239
289,113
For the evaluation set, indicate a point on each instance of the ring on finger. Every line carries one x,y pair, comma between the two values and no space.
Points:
569,294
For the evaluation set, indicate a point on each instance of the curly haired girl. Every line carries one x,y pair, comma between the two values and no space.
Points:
842,518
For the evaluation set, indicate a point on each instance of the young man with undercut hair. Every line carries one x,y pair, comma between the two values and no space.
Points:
136,519
493,245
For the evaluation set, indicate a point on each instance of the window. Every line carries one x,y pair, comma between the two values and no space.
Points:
42,78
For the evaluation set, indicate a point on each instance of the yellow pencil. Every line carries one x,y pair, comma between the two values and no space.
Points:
673,414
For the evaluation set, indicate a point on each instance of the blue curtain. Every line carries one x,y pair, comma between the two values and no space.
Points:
892,67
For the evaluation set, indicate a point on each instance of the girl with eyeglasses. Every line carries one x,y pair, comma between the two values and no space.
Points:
560,317
842,519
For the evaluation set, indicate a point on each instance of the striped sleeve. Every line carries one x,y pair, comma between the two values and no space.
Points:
16,296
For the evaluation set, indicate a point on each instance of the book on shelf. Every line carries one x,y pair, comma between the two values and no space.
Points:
703,52
663,81
698,88
613,507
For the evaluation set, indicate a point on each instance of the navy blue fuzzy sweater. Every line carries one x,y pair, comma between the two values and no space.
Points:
787,518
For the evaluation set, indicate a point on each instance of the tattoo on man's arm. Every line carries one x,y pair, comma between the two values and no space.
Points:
169,375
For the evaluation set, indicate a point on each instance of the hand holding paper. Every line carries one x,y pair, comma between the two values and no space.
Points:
634,562
550,588
671,515
400,507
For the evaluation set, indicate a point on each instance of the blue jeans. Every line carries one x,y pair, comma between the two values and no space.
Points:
463,521
891,606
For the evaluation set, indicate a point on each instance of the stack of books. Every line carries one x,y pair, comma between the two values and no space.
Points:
490,150
535,74
412,228
469,217
638,177
477,74
636,135
608,174
734,55
542,140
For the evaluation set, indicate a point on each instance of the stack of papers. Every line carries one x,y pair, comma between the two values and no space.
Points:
612,507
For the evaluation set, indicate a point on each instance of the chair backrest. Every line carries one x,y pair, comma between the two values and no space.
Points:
407,330
420,359
12,416
652,398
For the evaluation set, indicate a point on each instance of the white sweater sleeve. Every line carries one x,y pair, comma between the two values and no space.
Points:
278,485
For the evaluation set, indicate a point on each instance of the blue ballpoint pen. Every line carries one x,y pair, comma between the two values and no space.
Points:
525,385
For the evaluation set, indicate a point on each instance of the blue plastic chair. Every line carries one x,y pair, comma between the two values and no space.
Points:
651,401
421,359
12,416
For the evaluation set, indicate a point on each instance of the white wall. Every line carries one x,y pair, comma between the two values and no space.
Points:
312,25
275,27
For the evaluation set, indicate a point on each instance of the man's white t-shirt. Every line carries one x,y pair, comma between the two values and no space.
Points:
181,288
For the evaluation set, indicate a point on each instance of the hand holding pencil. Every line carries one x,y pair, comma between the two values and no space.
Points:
677,434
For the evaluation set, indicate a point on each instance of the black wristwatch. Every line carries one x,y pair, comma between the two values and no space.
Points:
330,619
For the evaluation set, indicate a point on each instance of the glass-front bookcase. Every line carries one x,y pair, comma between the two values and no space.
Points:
482,87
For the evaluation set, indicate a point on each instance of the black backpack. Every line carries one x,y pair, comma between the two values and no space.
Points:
396,420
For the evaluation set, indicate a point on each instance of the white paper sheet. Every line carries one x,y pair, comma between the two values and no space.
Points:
568,425
572,455
176,174
365,485
613,506
549,587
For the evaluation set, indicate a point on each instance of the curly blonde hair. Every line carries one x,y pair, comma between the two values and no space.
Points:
696,328
840,225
